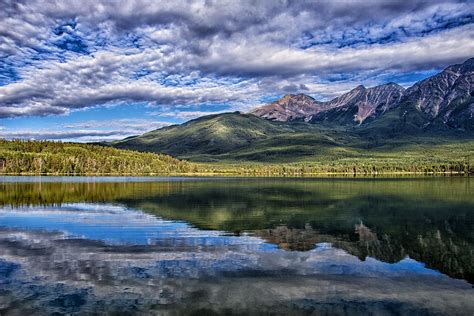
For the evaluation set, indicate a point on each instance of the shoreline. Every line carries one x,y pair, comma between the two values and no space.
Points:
246,175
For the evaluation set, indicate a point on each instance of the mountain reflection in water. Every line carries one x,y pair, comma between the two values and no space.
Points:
237,245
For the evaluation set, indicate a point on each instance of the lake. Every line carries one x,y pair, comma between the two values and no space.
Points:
169,246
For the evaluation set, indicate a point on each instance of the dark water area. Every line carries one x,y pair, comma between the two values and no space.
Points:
174,246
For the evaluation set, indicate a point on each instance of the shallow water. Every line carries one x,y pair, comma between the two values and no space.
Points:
171,246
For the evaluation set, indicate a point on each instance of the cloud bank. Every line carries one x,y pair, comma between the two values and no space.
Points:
61,56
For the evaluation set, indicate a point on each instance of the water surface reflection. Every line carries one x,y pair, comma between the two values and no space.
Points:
237,246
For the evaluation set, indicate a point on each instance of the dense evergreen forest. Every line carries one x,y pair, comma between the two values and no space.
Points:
57,158
47,157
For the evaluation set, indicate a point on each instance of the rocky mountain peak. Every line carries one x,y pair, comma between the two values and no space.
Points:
361,103
289,107
366,100
391,85
300,97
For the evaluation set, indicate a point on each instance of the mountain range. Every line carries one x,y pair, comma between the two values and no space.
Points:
445,98
437,109
353,107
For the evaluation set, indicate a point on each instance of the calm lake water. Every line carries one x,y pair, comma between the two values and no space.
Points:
199,246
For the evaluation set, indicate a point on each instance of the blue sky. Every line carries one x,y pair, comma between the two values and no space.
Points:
99,70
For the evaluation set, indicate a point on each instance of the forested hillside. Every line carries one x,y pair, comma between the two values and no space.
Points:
46,157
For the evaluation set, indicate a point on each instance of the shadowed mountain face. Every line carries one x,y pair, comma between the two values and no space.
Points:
437,96
446,99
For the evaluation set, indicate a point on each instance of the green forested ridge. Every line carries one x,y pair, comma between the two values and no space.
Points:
244,137
213,134
45,157
248,144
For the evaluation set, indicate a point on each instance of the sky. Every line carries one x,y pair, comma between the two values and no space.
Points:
95,70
